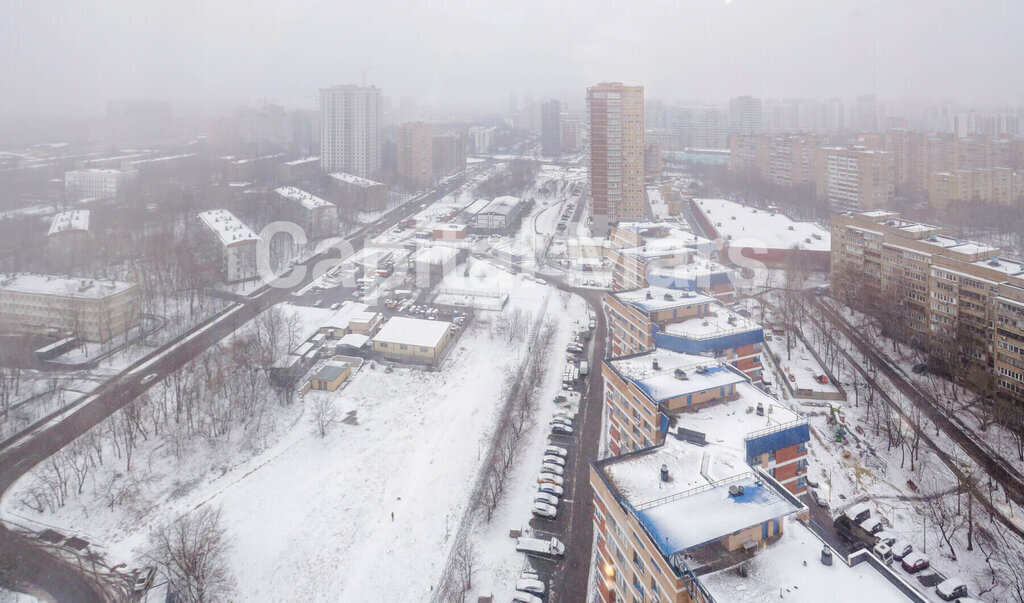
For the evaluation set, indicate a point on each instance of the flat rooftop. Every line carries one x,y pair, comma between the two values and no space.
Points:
302,161
661,298
307,200
662,383
413,331
43,284
793,565
353,179
773,230
723,321
70,220
1008,267
229,229
728,424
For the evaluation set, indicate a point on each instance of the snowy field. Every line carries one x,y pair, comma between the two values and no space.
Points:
310,518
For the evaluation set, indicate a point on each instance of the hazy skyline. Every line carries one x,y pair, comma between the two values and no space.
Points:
68,58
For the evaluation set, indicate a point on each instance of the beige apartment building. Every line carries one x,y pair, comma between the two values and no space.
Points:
416,154
89,309
855,179
996,185
957,299
788,160
616,114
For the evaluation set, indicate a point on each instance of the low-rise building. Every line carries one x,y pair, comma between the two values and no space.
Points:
431,264
413,340
317,217
500,216
298,170
352,318
330,376
450,232
88,309
235,243
358,194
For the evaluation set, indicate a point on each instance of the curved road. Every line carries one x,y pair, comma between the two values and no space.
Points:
30,564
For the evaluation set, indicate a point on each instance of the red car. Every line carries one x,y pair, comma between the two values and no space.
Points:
914,562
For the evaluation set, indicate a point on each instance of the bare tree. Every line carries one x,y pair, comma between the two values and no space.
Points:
941,515
193,550
466,562
323,414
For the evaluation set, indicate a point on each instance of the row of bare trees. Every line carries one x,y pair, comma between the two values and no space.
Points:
221,391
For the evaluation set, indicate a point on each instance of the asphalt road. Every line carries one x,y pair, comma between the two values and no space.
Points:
570,583
31,564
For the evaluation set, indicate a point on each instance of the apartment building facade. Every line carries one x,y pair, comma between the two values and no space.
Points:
655,317
551,128
318,218
416,155
96,183
616,116
350,130
855,179
955,298
89,309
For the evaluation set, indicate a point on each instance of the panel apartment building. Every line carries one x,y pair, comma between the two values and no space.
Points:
416,155
616,115
235,244
317,217
855,179
955,296
89,309
350,138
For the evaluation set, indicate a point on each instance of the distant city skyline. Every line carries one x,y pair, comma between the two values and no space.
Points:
468,56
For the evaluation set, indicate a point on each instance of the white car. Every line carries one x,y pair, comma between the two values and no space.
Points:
557,451
335,306
545,510
148,378
550,468
560,429
554,460
552,489
550,478
546,498
521,597
530,585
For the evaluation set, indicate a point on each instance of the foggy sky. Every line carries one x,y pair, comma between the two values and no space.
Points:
71,57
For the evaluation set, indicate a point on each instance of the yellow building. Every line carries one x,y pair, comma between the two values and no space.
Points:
331,376
413,340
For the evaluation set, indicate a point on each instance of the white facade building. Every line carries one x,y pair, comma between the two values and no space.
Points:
350,139
319,218
482,139
95,183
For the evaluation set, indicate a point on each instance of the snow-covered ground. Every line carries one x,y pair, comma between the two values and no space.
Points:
882,475
310,518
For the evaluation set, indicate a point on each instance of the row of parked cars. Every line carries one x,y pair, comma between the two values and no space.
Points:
550,482
857,525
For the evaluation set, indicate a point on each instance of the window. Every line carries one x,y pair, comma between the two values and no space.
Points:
383,344
423,349
801,483
404,347
639,563
801,447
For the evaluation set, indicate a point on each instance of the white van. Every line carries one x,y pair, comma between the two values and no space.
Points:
584,368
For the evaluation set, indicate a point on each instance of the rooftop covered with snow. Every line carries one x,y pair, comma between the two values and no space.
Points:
43,284
353,179
773,230
413,331
697,373
66,221
228,228
722,321
307,200
653,299
793,565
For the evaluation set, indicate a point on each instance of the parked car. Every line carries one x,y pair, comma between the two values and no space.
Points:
818,498
552,489
559,429
914,562
544,497
553,460
545,510
530,585
148,378
952,588
521,597
144,580
556,450
335,305
901,549
551,468
318,303
561,421
550,478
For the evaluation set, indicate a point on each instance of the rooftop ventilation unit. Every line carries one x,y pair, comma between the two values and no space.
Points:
993,262
668,297
681,374
736,490
649,296
664,473
655,365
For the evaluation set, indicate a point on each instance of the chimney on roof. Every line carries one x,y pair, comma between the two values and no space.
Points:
649,295
664,472
655,365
